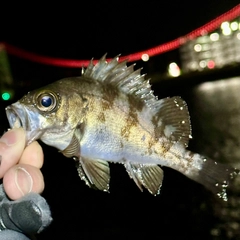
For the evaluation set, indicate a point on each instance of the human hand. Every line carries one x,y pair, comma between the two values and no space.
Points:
22,181
20,166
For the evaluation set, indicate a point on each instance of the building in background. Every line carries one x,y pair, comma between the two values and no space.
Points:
214,50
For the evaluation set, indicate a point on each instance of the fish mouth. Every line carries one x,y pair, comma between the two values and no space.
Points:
20,116
14,119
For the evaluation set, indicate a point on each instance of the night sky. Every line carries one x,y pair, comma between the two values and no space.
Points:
92,29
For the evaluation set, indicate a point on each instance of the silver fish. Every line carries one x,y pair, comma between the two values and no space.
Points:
110,114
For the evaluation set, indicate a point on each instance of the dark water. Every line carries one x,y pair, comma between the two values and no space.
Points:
216,118
183,209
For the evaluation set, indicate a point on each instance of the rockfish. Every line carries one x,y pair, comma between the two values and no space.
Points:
110,114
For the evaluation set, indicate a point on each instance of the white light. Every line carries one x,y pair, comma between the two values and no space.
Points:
234,26
238,36
224,25
226,30
214,37
198,47
174,70
145,57
203,64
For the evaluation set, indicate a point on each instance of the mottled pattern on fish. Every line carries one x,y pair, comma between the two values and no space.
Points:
110,114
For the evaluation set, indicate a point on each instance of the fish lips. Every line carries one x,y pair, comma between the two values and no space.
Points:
20,116
17,116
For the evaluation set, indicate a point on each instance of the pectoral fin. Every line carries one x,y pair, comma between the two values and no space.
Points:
95,173
149,176
73,148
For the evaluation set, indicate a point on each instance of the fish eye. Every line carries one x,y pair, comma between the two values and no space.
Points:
46,101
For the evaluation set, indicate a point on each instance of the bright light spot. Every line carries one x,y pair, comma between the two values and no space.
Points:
224,25
198,47
238,36
174,70
226,30
202,64
234,26
214,37
145,57
6,96
211,64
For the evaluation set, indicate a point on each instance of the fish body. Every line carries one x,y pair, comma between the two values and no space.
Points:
110,114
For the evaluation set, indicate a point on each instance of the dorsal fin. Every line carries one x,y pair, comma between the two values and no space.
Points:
124,77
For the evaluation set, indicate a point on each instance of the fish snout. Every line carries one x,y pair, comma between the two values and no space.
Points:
15,116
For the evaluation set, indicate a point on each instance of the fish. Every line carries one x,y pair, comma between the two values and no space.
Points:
110,114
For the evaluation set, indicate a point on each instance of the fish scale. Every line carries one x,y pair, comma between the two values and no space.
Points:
110,114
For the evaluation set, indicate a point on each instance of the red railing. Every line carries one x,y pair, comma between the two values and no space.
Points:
207,28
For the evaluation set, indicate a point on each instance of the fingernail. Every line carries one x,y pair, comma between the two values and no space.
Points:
12,136
23,180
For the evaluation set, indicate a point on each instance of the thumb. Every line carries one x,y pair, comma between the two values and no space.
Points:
12,144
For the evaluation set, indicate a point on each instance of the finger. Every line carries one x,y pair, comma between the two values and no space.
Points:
12,144
32,155
21,180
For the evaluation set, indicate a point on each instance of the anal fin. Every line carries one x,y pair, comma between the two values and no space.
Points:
95,173
149,176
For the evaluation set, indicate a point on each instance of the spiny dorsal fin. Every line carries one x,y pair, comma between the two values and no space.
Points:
124,77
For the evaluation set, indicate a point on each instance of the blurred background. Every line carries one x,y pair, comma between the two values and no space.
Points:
203,69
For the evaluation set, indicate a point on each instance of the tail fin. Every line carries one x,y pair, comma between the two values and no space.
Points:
214,176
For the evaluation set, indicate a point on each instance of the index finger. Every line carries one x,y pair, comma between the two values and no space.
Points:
12,144
32,155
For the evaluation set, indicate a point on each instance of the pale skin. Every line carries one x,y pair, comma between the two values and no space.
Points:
20,164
